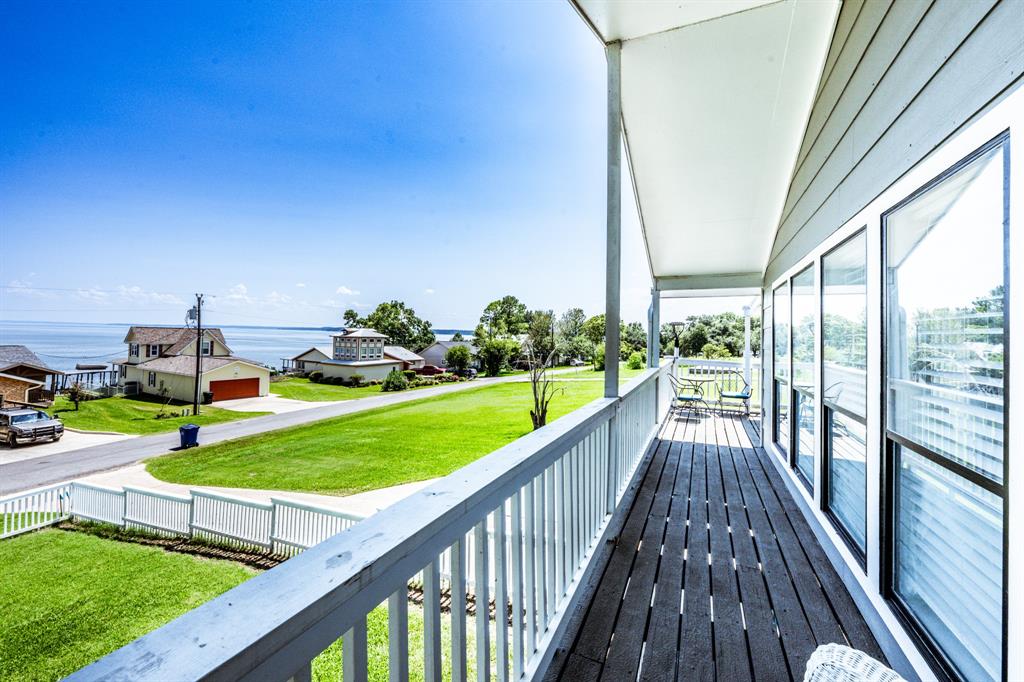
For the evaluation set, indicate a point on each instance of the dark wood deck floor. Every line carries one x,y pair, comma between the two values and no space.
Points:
715,574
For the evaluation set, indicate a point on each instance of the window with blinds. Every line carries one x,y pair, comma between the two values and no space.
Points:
944,412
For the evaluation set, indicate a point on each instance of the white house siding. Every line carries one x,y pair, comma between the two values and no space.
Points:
181,387
368,372
901,77
434,354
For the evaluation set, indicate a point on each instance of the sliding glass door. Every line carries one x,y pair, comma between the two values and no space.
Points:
945,427
844,387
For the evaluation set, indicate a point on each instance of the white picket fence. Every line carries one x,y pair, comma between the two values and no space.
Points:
281,526
34,509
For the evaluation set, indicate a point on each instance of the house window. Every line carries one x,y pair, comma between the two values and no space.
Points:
133,350
123,371
945,427
780,335
152,350
207,347
802,331
844,387
151,379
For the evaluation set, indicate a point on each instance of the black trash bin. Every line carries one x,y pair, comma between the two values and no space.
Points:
207,397
189,435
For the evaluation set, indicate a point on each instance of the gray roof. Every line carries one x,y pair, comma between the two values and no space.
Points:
175,337
401,353
325,350
362,333
13,355
450,344
186,364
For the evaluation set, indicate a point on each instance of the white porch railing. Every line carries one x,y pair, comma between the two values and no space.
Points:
536,510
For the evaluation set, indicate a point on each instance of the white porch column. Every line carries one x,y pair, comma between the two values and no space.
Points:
613,238
654,333
746,344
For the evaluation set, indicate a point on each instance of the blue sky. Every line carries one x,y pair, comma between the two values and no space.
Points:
296,159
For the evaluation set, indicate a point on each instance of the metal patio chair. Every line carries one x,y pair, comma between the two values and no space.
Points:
732,378
689,395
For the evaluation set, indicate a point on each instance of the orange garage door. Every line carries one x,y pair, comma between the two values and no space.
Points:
235,388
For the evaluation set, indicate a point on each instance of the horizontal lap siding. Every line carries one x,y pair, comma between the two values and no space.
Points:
901,78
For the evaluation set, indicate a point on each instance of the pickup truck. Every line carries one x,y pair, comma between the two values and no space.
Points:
25,425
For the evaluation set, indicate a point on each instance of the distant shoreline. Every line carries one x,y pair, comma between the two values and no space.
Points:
464,332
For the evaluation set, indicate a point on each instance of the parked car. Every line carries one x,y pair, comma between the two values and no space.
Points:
429,370
468,373
576,362
25,425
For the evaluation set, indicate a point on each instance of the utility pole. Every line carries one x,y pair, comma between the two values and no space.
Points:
198,310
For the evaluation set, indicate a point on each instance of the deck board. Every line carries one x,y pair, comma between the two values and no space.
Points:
715,575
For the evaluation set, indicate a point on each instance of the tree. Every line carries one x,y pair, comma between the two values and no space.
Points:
351,318
458,358
505,317
599,357
400,324
593,329
457,336
570,324
540,334
495,354
636,360
633,338
543,387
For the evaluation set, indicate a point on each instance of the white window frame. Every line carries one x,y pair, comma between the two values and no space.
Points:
133,350
152,350
151,379
1007,114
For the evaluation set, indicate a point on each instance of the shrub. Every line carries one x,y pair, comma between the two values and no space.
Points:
458,358
394,381
356,380
316,377
599,357
495,355
409,374
712,351
338,381
636,360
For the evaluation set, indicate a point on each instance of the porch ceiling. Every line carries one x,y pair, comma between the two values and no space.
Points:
715,99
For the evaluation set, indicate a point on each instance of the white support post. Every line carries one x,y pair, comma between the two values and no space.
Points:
654,333
746,344
613,239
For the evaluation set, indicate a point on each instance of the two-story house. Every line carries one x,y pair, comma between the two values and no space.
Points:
356,351
162,361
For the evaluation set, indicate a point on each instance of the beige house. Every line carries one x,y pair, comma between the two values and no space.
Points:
357,351
162,361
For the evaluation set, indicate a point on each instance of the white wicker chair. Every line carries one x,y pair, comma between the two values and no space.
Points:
838,663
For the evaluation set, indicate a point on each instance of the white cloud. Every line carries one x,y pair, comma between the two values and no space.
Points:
345,291
275,298
142,296
428,292
300,285
93,295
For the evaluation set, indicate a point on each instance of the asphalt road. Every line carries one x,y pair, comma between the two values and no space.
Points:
39,471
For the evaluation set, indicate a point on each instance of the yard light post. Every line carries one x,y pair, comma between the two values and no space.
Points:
198,312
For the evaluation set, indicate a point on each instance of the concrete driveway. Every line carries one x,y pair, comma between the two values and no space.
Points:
269,403
72,440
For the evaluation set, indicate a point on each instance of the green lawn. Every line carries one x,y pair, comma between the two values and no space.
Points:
297,388
70,598
374,449
137,415
588,372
